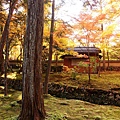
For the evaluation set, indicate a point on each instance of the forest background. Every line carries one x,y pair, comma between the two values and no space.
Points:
97,19
96,25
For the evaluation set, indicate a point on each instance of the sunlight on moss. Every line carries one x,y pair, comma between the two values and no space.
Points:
11,75
1,95
5,97
19,97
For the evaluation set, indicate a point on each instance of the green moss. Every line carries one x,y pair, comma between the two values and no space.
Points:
56,116
12,118
97,117
63,109
106,81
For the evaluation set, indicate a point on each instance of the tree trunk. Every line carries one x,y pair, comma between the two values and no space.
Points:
56,61
5,34
104,66
6,64
108,59
32,94
88,59
50,51
99,68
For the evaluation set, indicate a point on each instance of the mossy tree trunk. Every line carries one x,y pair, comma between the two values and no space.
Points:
32,94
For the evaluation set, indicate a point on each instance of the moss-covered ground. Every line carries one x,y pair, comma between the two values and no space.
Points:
106,81
64,109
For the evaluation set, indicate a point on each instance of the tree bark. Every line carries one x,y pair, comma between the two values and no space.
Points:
6,65
104,62
5,33
89,74
108,59
50,51
32,94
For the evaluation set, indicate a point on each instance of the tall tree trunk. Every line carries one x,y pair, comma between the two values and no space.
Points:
32,94
108,59
5,33
104,66
50,51
56,61
6,64
89,58
99,67
89,66
7,50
